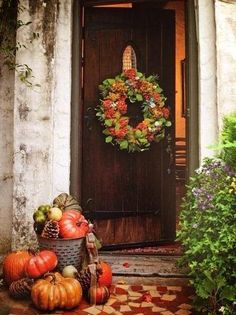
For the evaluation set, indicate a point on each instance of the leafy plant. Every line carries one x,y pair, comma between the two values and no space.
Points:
227,143
9,24
207,227
207,232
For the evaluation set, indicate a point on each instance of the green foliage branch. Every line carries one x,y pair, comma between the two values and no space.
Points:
208,228
227,143
9,24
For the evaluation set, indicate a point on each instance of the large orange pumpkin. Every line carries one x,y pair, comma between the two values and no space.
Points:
55,291
105,278
14,265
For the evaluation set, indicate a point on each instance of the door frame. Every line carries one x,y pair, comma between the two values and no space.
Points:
192,128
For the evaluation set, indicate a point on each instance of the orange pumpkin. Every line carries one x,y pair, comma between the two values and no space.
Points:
14,265
105,278
55,291
40,263
99,295
73,224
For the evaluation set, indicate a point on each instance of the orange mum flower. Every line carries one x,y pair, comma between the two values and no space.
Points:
120,133
141,126
130,73
110,113
123,122
165,112
156,96
119,87
122,107
106,104
113,96
146,87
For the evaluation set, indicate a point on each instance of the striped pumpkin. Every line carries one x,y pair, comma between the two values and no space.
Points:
99,295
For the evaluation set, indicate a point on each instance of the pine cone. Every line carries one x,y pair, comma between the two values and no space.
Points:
84,278
21,288
51,229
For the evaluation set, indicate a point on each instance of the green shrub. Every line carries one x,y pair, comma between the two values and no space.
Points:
227,143
208,234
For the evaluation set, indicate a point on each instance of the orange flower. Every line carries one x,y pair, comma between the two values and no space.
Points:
110,113
146,87
112,131
119,87
130,73
106,104
122,107
157,112
113,96
120,133
141,126
156,96
123,122
165,112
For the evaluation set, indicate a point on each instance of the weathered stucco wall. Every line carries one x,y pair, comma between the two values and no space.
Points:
208,122
216,25
225,13
6,156
41,115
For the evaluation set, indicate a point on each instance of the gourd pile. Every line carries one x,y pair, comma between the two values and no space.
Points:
35,275
62,219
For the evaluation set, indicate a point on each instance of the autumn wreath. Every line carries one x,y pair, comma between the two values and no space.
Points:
132,86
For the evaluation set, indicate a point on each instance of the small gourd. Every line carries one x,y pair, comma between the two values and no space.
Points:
105,278
66,202
98,294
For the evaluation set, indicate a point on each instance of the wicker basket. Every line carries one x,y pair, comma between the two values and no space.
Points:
68,251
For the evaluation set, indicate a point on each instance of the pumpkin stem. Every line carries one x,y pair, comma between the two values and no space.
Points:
76,274
50,274
32,251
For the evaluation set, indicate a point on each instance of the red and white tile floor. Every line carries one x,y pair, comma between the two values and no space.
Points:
142,299
124,300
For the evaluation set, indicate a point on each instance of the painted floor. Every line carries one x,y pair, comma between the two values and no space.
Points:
124,300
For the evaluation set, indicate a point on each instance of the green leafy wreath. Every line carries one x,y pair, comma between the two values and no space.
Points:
133,86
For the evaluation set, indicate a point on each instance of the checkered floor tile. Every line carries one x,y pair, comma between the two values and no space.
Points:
142,299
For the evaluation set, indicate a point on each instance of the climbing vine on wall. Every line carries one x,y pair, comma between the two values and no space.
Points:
9,24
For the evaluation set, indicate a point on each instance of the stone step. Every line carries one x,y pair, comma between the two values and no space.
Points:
146,269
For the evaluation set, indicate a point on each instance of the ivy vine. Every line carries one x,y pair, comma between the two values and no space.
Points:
9,24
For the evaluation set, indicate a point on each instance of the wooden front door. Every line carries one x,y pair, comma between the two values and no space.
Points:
130,196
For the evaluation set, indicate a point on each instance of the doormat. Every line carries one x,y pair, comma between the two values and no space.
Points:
171,249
